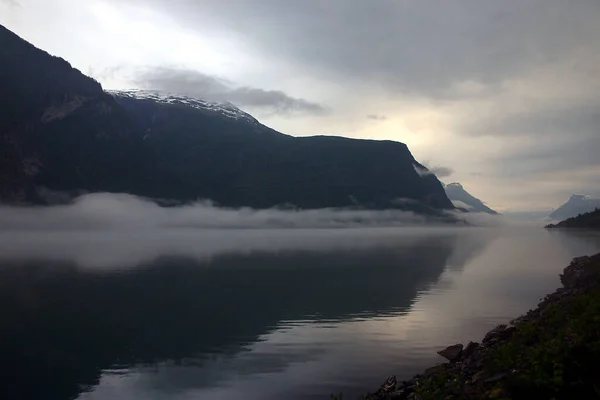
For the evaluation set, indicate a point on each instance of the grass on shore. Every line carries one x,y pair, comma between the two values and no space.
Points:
556,356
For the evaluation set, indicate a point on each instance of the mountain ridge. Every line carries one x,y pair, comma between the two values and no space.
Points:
65,133
226,109
461,198
577,204
588,220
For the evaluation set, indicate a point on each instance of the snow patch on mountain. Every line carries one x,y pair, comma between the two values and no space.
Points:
226,109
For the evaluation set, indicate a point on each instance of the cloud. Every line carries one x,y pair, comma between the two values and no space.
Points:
11,3
423,47
194,83
441,172
104,74
438,171
120,211
461,204
377,117
125,229
544,145
106,211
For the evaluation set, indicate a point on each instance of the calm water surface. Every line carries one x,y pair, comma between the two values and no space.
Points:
256,314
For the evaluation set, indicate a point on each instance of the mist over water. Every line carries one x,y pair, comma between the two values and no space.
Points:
128,212
113,297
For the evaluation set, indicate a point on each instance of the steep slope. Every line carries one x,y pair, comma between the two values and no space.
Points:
577,204
463,199
59,129
63,132
589,220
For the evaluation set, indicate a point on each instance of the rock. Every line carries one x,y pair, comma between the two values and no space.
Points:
497,377
469,350
398,395
493,333
433,371
389,385
477,377
501,332
452,353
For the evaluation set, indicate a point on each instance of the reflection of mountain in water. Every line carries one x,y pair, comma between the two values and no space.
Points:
61,326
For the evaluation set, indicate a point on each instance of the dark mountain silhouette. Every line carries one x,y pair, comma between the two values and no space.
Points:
577,204
59,130
463,199
588,220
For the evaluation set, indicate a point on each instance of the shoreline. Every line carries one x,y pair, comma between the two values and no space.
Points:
547,353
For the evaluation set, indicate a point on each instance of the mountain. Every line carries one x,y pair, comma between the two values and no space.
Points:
589,220
60,130
224,109
577,204
463,199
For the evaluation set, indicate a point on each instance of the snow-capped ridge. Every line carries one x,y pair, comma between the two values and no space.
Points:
226,109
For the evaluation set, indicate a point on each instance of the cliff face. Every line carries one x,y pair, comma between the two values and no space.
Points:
63,132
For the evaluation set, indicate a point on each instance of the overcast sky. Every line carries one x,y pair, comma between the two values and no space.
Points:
503,96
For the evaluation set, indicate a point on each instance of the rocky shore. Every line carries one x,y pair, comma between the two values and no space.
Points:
552,352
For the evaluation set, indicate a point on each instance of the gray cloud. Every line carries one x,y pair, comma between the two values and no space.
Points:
109,211
439,172
377,117
442,172
194,83
423,47
555,140
103,74
549,157
574,119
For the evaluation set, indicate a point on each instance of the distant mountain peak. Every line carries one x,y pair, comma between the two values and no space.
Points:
577,204
463,199
576,197
226,109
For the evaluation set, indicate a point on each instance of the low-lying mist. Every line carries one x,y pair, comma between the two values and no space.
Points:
116,230
124,211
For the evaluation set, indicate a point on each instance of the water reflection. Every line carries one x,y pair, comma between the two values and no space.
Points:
65,320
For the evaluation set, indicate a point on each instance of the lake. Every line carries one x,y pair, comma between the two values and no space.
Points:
182,313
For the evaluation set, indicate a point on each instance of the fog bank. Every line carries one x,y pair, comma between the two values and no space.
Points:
123,211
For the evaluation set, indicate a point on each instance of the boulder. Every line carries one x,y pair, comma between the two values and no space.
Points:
469,350
452,353
501,332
